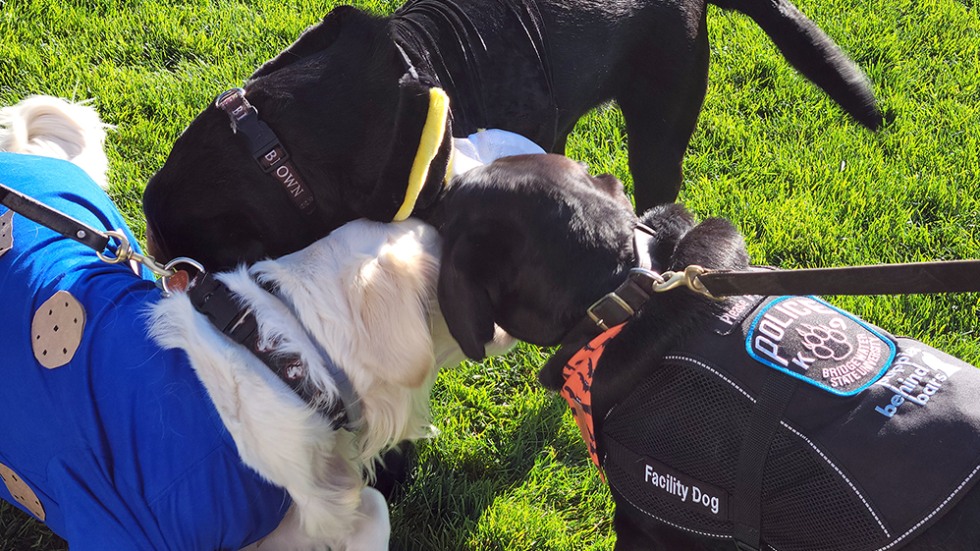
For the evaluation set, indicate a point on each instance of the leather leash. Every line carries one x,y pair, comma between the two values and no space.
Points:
952,276
76,230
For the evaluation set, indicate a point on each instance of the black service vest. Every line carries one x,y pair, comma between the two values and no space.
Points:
880,437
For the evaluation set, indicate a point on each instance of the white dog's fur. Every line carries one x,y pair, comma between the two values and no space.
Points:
53,127
366,293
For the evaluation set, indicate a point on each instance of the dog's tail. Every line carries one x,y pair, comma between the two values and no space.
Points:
814,54
52,127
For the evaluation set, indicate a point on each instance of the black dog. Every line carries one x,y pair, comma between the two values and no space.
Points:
533,67
777,422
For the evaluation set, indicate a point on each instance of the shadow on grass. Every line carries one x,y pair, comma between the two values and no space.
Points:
22,532
493,490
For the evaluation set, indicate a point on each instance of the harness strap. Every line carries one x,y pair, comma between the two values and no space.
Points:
265,147
577,390
747,497
218,303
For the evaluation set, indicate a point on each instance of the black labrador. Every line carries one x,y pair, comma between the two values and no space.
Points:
774,422
533,67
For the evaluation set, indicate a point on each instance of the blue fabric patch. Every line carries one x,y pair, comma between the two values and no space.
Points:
819,344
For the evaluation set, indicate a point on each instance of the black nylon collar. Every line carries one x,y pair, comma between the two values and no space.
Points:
616,307
220,305
265,147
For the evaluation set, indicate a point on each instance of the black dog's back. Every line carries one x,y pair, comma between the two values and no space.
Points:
529,66
653,61
568,56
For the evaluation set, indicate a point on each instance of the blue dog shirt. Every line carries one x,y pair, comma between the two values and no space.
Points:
121,445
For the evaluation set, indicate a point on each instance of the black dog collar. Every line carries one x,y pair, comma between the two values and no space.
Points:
218,303
620,305
265,147
616,307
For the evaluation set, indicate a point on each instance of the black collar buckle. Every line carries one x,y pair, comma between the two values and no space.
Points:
245,119
610,311
622,304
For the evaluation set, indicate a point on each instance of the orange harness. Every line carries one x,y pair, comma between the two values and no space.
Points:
577,390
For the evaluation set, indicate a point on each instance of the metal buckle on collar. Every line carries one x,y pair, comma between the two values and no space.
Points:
234,103
622,304
245,119
600,318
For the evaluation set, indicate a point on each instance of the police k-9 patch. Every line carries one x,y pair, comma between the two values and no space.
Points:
817,343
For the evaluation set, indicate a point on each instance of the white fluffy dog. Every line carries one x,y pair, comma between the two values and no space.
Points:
364,296
52,127
367,294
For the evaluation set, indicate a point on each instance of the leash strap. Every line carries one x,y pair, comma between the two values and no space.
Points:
747,497
954,276
265,147
76,230
57,221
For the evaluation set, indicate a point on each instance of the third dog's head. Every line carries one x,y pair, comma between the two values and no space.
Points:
531,241
322,97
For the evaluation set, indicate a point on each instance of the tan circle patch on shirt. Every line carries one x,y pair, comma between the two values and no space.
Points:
21,492
56,330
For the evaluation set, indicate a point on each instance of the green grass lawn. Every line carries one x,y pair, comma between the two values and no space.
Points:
807,186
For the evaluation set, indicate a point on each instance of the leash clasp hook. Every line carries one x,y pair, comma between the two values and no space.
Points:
687,278
125,253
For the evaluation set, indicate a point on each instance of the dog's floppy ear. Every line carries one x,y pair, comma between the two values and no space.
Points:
418,154
670,223
390,297
314,39
463,298
715,244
